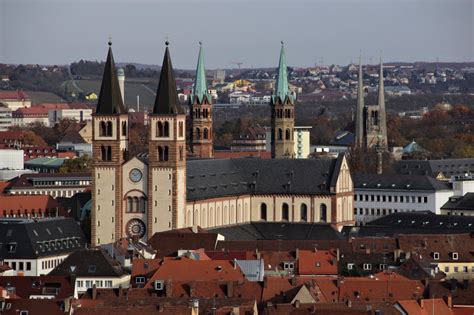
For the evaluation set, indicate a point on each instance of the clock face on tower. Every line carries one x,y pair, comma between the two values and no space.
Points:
135,175
136,227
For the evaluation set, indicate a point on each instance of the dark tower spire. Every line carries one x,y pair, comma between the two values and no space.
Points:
110,98
381,102
359,121
167,101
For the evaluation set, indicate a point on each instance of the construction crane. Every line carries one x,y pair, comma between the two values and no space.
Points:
238,63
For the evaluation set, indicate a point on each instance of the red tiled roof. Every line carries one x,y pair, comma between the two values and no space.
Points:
34,307
321,262
143,267
196,270
13,95
21,205
228,255
26,286
426,307
30,111
10,135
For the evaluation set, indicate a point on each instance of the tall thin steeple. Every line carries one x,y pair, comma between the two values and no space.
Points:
110,98
281,86
200,84
359,121
200,114
167,101
381,103
283,113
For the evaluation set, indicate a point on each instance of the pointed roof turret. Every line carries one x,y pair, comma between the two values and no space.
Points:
383,114
360,107
167,101
200,83
110,99
282,90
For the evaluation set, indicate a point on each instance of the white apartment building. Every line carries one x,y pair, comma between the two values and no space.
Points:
379,195
5,118
78,112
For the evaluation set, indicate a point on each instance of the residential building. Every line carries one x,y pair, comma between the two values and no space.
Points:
379,195
11,159
6,118
302,137
15,99
35,247
439,169
45,164
75,111
89,268
16,206
27,115
459,205
55,185
253,139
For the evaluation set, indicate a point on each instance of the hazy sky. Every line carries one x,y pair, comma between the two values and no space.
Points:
331,31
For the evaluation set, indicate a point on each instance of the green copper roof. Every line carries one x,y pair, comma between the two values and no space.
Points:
200,84
281,86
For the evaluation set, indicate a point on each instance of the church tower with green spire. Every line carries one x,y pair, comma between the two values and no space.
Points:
283,113
200,113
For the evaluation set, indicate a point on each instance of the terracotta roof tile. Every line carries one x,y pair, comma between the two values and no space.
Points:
321,262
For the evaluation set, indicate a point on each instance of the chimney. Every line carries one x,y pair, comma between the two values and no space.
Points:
94,292
449,301
169,288
338,254
230,289
194,228
367,251
235,264
293,281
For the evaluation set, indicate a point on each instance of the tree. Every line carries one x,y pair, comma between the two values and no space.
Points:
77,165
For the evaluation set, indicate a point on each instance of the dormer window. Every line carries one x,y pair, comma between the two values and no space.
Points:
455,255
367,266
436,256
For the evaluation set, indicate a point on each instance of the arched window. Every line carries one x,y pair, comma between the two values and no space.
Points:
304,212
263,212
280,134
206,134
323,212
109,129
103,153
181,153
102,129
285,212
181,129
166,131
142,205
287,134
129,204
159,129
166,153
124,128
198,133
161,154
136,205
109,153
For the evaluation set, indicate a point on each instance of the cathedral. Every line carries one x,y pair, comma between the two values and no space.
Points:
177,183
371,122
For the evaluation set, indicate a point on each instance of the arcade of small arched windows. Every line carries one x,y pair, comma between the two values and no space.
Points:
105,129
162,129
163,153
285,213
106,153
202,113
136,204
283,113
204,135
